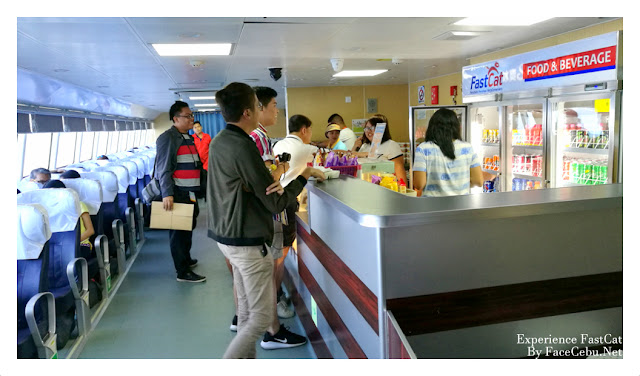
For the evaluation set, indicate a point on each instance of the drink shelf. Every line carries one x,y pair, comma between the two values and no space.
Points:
491,171
490,144
586,150
539,147
529,177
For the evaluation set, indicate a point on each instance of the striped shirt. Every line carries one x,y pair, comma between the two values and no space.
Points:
260,137
186,177
446,177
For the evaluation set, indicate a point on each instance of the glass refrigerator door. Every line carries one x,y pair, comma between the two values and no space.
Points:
525,157
582,148
485,135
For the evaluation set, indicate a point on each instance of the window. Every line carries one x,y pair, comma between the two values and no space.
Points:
131,140
78,144
96,143
113,142
66,148
37,152
103,142
122,141
136,141
87,146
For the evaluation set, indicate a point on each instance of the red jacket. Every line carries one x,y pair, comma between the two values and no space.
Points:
203,148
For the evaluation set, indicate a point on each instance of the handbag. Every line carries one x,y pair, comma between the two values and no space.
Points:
152,191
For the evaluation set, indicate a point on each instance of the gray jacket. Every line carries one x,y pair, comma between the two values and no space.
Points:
240,212
167,146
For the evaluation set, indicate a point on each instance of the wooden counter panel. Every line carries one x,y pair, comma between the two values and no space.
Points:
492,305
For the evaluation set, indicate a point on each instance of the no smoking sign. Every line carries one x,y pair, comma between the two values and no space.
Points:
421,94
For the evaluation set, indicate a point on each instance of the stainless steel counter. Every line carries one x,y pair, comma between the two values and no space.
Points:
373,206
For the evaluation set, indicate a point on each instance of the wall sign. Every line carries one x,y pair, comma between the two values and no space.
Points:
583,61
420,94
434,95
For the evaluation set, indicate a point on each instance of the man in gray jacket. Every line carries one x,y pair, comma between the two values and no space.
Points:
242,199
177,168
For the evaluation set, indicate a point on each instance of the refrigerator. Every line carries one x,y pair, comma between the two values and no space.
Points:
419,117
585,139
557,115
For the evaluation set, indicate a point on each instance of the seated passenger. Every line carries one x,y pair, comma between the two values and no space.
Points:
86,227
40,176
333,134
70,174
103,157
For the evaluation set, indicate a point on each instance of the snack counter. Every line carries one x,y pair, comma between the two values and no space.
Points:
378,274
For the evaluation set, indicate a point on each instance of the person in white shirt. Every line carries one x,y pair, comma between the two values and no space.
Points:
388,148
346,134
296,144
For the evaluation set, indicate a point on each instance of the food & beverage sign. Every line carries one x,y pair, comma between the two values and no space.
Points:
584,61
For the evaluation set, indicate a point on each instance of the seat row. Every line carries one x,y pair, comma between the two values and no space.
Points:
54,281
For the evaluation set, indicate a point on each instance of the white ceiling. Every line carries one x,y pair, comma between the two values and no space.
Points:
113,56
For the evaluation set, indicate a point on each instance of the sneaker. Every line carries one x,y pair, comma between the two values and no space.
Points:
285,298
284,312
234,324
191,277
193,263
282,340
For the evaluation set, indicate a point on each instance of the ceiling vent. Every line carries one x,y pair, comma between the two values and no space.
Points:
458,35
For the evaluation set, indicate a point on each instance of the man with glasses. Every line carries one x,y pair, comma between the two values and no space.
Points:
177,168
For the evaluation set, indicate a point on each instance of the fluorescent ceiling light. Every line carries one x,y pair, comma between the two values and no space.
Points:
205,104
200,49
501,21
206,109
359,73
198,98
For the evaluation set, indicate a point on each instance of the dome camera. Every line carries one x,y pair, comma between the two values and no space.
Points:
196,63
275,73
396,61
337,64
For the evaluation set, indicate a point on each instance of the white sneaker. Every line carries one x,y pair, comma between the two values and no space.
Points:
283,311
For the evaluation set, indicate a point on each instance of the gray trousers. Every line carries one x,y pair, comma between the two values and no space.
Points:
253,279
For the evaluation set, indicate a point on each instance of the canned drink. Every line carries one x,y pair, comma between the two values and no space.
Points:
573,172
588,172
596,173
604,174
488,186
496,162
580,173
566,169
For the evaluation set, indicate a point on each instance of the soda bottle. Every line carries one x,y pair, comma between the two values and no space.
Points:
537,185
529,185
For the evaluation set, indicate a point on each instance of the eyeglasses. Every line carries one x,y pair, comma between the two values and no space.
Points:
369,128
260,105
190,116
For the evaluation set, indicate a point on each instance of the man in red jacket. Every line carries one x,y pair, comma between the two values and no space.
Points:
202,141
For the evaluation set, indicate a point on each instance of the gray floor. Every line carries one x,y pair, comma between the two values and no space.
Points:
154,316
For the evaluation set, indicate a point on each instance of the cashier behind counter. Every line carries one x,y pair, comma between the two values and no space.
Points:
388,148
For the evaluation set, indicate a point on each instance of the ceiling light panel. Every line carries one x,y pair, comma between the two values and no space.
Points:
198,49
501,21
205,104
360,73
202,98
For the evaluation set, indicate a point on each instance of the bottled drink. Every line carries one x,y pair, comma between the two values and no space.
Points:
529,186
588,168
573,172
484,135
537,185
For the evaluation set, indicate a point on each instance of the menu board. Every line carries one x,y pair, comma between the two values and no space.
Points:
375,141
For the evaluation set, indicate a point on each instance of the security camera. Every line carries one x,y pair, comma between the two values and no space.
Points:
275,73
396,61
337,64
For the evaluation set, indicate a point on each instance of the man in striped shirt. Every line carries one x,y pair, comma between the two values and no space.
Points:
178,171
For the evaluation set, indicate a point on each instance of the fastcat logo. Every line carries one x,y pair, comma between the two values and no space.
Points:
492,80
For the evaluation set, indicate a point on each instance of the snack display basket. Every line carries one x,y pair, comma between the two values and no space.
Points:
347,170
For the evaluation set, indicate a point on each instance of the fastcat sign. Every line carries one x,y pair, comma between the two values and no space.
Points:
580,62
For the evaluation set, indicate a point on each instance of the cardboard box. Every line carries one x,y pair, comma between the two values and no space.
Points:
180,218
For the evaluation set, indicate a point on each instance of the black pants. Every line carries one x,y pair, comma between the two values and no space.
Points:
179,240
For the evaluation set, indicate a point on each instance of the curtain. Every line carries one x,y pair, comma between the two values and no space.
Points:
212,122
